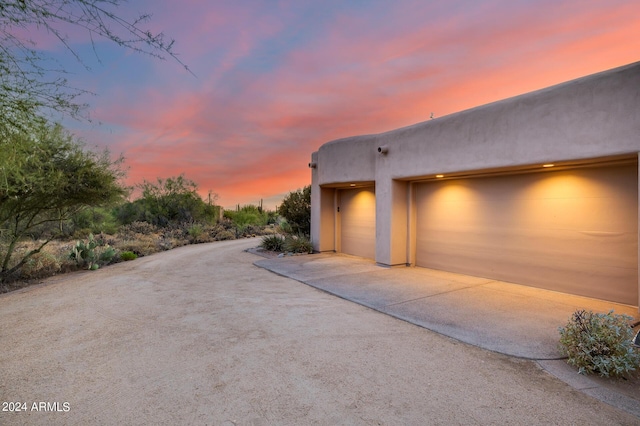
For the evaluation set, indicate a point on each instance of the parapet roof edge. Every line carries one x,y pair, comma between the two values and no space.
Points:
532,94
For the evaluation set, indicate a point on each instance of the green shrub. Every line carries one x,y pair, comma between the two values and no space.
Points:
296,209
297,244
170,201
93,221
273,242
128,255
195,231
600,343
247,215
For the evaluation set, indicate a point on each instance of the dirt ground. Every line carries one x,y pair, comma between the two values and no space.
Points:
199,335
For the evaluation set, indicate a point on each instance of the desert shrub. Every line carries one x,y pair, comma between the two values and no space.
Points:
297,244
225,235
142,245
128,255
254,230
272,242
144,228
167,202
195,231
176,232
247,215
600,343
283,227
93,221
227,224
40,265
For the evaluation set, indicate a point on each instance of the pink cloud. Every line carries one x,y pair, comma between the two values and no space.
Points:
248,133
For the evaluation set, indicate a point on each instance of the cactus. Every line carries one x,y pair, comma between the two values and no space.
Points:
91,253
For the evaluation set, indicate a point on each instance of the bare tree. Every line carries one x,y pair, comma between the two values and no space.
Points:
30,82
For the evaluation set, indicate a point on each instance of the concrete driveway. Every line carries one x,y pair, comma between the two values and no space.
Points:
199,335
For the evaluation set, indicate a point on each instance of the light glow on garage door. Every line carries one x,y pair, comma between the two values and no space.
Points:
358,222
569,230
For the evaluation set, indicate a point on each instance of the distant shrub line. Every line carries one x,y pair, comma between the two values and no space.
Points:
97,237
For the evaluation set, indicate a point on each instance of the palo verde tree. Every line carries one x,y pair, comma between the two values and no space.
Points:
46,176
296,209
30,81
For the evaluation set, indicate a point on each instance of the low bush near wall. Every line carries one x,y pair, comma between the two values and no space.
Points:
273,242
600,343
297,244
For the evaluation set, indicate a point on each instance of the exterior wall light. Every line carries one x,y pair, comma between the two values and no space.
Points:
439,176
313,165
352,185
548,165
384,149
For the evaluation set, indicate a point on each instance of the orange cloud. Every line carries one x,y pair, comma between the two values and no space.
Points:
264,99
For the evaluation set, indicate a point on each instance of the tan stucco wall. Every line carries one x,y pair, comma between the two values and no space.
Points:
588,118
594,116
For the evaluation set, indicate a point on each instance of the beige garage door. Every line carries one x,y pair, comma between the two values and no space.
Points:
358,222
574,231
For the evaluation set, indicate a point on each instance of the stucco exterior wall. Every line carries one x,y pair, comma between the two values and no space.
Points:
593,116
347,160
587,118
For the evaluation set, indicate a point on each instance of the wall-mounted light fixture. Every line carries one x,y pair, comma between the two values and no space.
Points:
384,149
313,165
548,165
439,176
352,185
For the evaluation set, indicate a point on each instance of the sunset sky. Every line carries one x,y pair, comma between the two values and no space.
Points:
274,79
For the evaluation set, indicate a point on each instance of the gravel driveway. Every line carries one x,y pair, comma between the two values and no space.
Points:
199,335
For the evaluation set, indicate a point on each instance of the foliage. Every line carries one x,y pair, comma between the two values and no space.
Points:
30,81
600,343
248,215
272,242
92,253
167,202
296,209
40,265
130,230
46,177
128,255
96,220
297,244
272,217
287,243
144,245
195,231
133,240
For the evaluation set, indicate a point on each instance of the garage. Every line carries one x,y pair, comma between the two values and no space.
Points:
573,230
357,222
